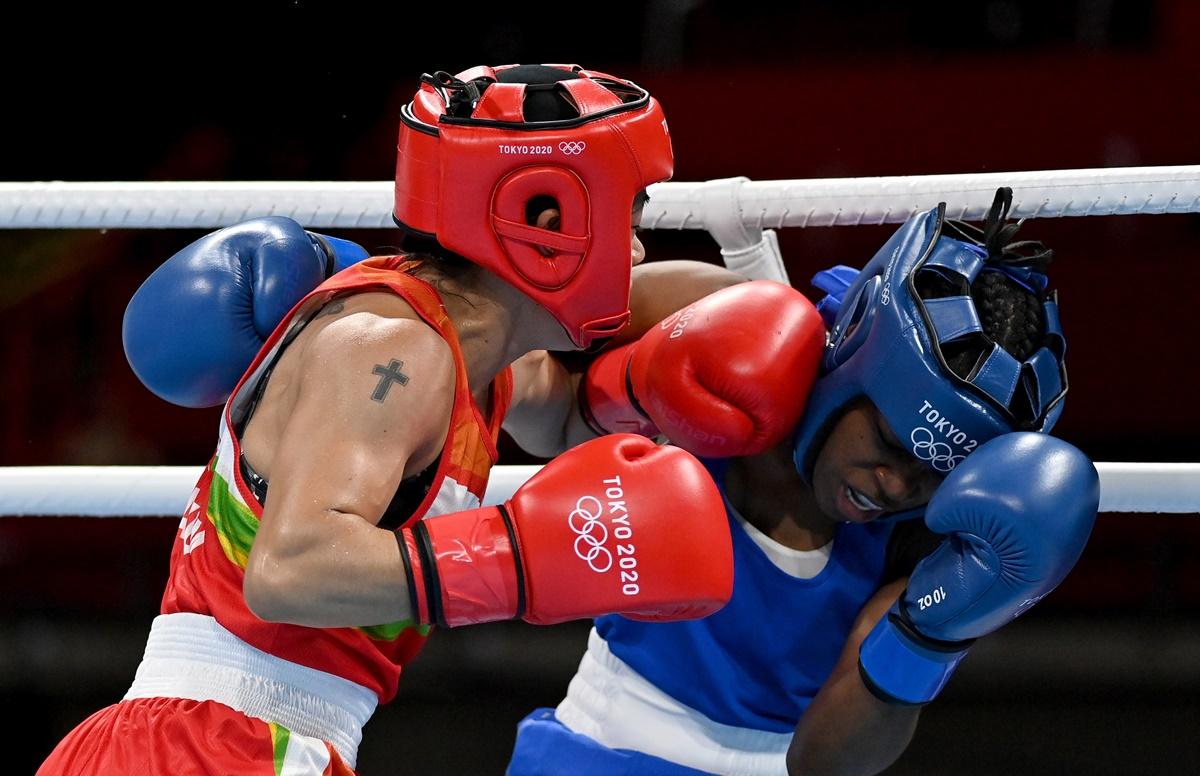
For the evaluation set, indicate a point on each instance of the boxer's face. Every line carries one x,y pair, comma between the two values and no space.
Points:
637,250
862,471
550,217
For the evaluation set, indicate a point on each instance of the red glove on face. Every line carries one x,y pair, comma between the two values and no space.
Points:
726,376
617,524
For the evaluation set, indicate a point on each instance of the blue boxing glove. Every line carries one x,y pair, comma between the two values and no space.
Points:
1016,513
197,322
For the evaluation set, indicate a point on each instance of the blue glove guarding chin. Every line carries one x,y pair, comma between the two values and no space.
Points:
1016,513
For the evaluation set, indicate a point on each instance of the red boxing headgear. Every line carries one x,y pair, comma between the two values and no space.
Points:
469,162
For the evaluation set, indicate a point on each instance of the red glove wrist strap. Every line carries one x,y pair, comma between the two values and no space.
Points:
517,561
467,592
585,409
422,580
587,412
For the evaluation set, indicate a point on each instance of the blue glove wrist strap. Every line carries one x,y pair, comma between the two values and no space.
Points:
339,253
899,669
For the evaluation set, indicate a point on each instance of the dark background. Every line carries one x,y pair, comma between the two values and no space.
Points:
1103,677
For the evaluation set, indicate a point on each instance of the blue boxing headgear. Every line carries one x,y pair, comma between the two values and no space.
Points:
886,344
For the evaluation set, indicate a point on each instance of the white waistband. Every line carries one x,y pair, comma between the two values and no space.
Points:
610,702
192,656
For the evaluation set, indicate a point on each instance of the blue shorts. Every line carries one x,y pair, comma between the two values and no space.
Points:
545,747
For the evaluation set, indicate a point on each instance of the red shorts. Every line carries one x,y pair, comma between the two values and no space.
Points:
174,736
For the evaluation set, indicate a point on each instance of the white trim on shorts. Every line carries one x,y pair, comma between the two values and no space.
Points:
192,656
612,704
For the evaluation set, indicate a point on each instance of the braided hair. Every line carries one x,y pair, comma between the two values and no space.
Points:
1011,315
1008,292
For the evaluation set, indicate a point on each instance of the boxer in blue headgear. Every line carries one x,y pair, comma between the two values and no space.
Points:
903,320
842,623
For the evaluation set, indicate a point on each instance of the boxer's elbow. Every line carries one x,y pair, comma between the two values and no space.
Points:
270,589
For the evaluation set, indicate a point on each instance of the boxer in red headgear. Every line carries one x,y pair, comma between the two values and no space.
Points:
341,516
606,140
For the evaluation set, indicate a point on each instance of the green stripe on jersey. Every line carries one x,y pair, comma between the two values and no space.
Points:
279,745
236,524
392,630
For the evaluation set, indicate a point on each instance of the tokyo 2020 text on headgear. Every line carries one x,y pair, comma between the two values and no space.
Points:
887,344
470,160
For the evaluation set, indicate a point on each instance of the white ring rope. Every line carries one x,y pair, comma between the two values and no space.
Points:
156,491
758,204
718,206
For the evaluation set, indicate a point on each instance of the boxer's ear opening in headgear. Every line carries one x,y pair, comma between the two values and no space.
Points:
856,325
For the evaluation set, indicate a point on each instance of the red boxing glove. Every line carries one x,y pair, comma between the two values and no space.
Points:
727,376
617,524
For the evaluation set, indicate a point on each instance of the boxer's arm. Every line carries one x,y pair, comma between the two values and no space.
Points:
544,415
373,399
662,287
846,729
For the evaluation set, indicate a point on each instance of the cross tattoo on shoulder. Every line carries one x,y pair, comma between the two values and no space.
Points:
387,375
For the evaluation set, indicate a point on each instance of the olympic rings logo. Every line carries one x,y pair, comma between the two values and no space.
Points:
572,147
939,454
584,520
